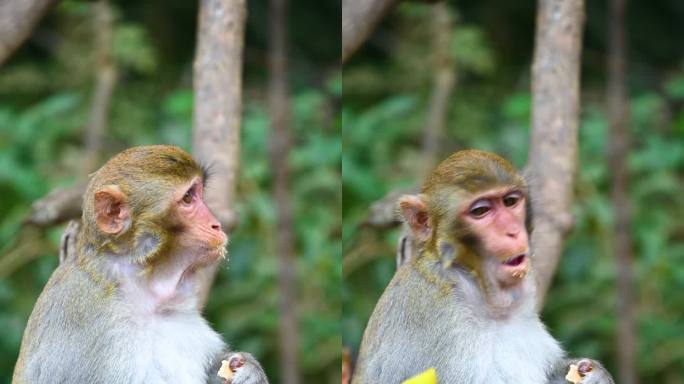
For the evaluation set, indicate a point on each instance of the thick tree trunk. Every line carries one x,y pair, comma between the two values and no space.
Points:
359,18
618,112
17,20
280,149
218,106
552,161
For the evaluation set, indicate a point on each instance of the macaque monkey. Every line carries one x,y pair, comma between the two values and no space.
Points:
465,303
122,305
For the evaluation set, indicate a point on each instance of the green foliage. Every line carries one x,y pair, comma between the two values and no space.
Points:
133,49
470,50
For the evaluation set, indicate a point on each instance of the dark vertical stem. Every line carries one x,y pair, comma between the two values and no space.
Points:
280,148
618,112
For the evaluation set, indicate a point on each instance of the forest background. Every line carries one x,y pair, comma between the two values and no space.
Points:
389,87
47,88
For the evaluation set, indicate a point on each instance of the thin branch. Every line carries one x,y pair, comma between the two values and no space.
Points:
104,86
618,111
281,144
444,79
58,207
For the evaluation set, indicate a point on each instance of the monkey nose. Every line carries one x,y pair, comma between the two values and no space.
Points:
216,226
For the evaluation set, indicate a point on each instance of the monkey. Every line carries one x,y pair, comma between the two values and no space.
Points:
463,301
406,247
67,244
122,306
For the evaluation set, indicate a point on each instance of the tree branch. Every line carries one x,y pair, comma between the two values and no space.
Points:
618,111
281,144
58,207
359,18
17,20
444,79
104,86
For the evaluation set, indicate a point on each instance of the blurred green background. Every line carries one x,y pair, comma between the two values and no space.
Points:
387,87
45,99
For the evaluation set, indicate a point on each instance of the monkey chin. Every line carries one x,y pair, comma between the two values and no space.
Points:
201,256
210,255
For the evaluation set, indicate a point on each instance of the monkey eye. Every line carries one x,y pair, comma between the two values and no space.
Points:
187,198
480,208
511,199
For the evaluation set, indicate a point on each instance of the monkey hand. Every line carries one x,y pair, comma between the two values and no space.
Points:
242,368
588,371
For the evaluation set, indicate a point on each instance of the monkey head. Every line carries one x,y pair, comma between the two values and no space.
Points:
146,203
473,214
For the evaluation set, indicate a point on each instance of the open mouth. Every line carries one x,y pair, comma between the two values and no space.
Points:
515,261
513,270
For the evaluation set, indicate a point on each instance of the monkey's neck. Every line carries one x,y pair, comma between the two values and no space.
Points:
167,286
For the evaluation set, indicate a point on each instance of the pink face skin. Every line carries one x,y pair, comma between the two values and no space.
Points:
498,220
201,229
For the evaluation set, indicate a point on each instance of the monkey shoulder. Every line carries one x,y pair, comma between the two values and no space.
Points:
403,326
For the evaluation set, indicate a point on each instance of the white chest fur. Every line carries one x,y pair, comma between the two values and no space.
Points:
526,356
176,348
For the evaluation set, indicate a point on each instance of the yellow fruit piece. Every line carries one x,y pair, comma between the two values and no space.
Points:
427,377
224,371
573,375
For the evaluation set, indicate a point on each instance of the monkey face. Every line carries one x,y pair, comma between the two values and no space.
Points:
201,231
147,202
471,214
496,219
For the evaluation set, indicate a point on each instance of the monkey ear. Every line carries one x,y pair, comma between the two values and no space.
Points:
415,213
111,210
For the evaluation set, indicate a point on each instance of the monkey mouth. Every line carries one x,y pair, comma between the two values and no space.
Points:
515,260
513,270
